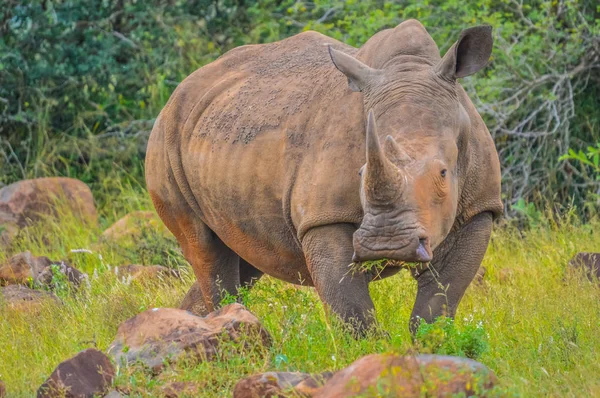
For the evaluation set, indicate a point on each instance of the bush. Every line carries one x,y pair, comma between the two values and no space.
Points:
444,338
81,82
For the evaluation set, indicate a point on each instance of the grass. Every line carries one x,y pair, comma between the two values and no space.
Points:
537,324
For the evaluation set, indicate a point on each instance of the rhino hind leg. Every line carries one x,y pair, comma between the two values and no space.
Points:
216,266
194,300
328,250
219,270
249,275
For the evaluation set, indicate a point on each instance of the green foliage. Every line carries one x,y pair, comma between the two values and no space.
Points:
82,105
445,338
242,297
529,212
81,82
591,158
59,282
584,168
539,331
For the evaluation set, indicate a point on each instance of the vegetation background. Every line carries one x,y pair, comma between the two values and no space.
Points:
82,81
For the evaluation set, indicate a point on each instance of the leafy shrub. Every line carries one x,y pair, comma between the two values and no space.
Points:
445,338
60,281
81,82
585,168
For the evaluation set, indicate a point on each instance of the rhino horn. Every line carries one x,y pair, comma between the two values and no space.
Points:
381,180
394,152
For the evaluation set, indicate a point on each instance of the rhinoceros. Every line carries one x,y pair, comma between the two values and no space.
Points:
300,157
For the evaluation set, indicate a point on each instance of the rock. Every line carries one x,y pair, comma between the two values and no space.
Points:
588,263
24,299
272,384
2,389
181,389
163,334
24,268
28,201
409,376
87,374
133,225
193,301
145,272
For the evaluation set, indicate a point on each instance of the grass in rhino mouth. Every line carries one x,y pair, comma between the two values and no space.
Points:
377,266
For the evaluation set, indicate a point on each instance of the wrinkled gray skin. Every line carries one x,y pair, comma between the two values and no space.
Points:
254,164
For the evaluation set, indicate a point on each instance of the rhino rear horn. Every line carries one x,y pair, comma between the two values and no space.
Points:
468,55
381,179
394,152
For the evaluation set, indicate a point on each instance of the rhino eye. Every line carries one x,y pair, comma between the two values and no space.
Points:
443,173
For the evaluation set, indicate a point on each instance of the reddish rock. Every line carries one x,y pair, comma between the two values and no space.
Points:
133,225
167,334
272,384
588,264
145,272
181,389
409,376
25,268
2,389
87,374
28,201
24,299
193,301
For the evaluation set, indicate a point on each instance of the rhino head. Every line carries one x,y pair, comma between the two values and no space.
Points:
410,182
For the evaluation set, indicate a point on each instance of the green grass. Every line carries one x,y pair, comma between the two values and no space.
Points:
538,325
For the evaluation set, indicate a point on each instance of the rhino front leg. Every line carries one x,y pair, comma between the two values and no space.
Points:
328,251
454,266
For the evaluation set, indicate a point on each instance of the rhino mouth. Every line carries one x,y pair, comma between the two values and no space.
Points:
383,268
416,250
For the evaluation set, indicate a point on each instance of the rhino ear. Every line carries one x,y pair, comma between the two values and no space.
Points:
468,55
359,75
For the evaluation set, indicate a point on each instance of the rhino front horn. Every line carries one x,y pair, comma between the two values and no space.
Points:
381,179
